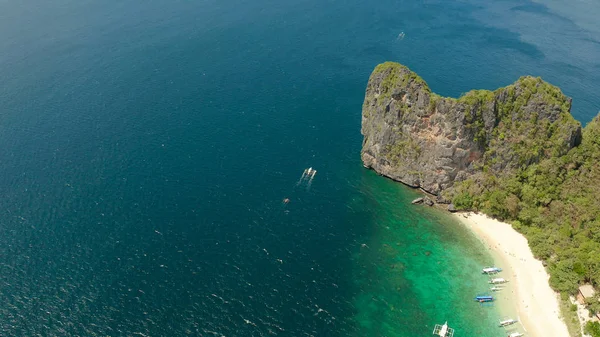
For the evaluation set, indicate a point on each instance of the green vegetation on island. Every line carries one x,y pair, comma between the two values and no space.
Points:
515,154
554,202
592,329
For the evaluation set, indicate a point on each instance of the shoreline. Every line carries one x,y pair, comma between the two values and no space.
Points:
530,297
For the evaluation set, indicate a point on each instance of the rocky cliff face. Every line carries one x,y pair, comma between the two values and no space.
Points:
423,140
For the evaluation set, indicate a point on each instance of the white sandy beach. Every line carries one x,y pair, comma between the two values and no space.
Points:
535,302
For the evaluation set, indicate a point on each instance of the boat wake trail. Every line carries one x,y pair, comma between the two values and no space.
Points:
307,177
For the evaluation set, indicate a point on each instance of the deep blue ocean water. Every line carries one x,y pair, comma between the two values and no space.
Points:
146,148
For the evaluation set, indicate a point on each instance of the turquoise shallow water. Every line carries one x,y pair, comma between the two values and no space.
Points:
420,267
147,148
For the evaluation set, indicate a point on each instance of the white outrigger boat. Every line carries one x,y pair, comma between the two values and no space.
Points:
516,334
498,280
496,288
310,172
443,330
491,270
507,322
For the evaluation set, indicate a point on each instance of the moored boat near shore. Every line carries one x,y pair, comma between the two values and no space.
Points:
443,330
484,298
507,322
498,280
491,270
530,294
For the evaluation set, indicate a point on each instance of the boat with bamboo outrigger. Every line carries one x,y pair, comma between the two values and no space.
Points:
491,270
496,288
498,280
516,334
443,330
507,322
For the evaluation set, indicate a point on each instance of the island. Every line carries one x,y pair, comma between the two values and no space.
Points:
514,155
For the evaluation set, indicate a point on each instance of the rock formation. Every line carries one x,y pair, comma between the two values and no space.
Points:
431,142
515,154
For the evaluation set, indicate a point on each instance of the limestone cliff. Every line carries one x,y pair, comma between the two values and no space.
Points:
423,140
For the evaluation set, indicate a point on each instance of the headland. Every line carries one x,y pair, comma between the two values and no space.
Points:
515,154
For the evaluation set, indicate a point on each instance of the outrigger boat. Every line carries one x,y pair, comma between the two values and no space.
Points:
507,322
515,334
498,280
485,298
310,172
491,270
443,330
496,288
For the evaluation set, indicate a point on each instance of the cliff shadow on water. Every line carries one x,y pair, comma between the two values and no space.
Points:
419,267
